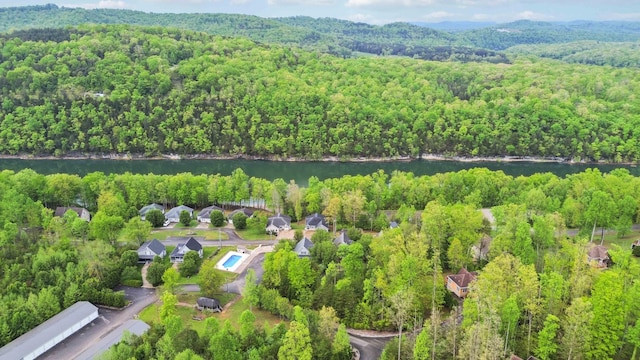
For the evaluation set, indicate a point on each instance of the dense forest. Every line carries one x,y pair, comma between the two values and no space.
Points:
338,37
123,89
616,54
550,301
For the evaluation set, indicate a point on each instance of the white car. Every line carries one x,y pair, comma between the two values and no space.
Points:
166,223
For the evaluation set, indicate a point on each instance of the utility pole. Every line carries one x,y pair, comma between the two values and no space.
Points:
220,237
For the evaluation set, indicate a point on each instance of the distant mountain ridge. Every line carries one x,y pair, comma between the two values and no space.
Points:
461,41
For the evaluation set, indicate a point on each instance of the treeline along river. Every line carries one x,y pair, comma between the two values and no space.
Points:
298,171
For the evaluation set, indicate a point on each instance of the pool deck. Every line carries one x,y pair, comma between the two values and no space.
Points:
243,263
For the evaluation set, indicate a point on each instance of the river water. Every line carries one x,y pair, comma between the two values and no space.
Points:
298,171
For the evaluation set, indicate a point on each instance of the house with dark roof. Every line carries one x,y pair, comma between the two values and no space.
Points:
598,256
151,249
303,247
205,303
50,333
393,225
173,215
205,214
459,283
177,255
143,212
247,212
82,212
316,222
342,239
278,223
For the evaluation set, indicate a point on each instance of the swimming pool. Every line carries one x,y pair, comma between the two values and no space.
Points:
231,261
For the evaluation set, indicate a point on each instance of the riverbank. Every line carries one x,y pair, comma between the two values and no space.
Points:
275,158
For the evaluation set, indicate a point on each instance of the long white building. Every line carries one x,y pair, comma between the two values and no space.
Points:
51,332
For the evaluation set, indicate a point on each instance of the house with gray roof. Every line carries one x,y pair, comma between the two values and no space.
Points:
342,239
151,249
82,212
316,222
135,327
303,247
143,212
50,333
205,303
247,212
205,214
173,215
177,255
278,223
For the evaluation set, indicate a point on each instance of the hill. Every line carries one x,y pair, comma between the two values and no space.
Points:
617,54
153,90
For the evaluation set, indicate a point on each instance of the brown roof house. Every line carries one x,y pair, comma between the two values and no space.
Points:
635,243
459,283
82,212
598,256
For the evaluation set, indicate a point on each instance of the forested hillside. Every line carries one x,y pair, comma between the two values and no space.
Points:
502,36
536,291
122,89
618,54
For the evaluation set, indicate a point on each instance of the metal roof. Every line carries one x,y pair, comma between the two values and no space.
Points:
38,336
136,327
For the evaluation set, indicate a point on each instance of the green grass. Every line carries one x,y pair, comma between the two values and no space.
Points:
208,254
151,314
624,243
207,234
254,234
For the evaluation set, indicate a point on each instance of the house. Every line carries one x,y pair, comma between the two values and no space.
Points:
143,212
635,243
459,283
393,225
278,223
205,214
205,303
303,247
516,357
247,212
342,239
598,256
177,255
132,327
82,212
173,215
316,222
150,250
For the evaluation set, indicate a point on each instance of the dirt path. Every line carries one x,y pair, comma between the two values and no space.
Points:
145,283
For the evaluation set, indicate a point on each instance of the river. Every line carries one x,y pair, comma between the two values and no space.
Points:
298,171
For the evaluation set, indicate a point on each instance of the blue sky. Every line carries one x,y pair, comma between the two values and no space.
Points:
382,11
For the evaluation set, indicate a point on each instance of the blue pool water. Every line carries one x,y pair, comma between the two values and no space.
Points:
232,260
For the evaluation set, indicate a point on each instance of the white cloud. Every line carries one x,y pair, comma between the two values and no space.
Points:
238,2
102,4
623,17
438,15
301,2
530,15
389,3
360,18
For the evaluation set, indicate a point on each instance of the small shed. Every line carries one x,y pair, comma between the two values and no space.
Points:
208,304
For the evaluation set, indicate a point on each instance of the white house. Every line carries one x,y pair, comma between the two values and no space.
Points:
191,245
173,215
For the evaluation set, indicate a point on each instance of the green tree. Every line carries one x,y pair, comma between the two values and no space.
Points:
170,279
185,218
138,230
106,227
239,221
191,264
422,347
217,218
296,343
577,334
155,217
341,348
547,345
211,279
250,292
155,272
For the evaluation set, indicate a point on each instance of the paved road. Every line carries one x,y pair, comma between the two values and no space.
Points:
107,320
370,348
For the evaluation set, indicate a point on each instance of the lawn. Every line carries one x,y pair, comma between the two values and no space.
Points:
207,234
254,234
624,242
151,314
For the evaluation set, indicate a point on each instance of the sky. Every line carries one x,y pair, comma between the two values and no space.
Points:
381,11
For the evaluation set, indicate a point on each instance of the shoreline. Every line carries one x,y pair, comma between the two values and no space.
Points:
425,157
